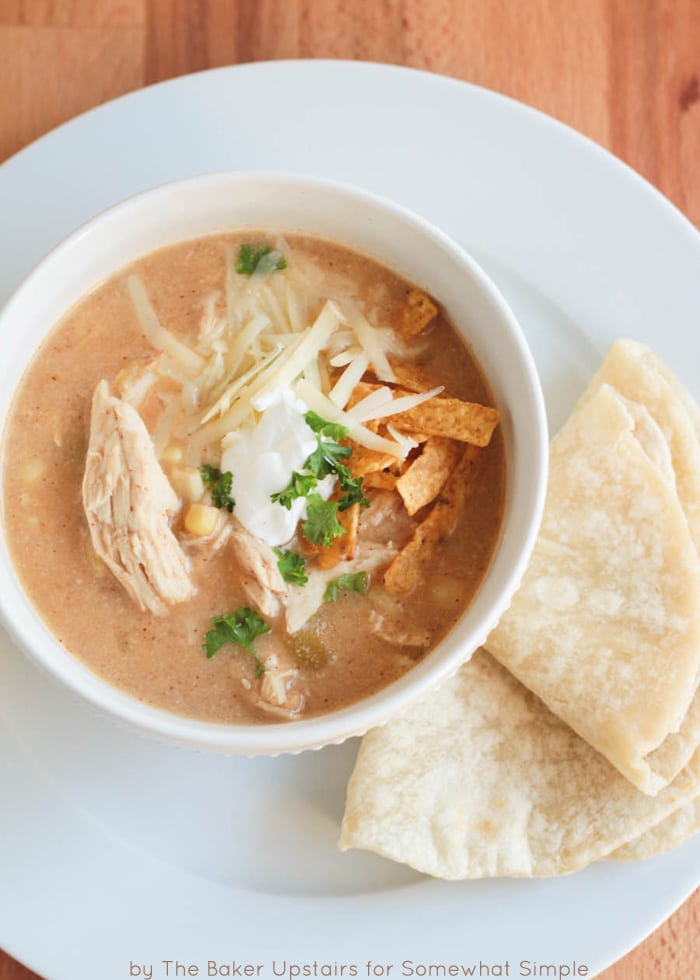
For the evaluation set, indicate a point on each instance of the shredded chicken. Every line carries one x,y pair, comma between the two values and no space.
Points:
386,521
303,601
129,505
261,579
277,692
391,630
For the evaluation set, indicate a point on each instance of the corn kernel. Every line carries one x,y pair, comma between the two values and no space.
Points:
201,520
172,454
187,482
33,470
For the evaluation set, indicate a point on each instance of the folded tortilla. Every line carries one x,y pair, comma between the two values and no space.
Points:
481,780
665,836
605,627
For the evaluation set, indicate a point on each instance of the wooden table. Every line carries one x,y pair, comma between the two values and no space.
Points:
624,72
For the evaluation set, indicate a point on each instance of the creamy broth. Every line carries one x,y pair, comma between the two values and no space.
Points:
339,656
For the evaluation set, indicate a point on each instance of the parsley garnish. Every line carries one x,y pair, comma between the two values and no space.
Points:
299,486
350,582
351,487
249,259
333,430
220,485
321,524
240,627
292,567
324,461
326,458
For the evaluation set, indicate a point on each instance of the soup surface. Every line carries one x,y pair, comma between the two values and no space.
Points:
279,540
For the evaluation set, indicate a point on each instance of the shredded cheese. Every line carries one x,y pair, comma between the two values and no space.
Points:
369,338
323,406
345,385
157,335
393,406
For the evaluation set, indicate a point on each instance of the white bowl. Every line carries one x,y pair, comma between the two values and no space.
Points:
400,240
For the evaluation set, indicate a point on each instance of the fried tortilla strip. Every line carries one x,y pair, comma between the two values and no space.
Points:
383,480
480,780
425,476
416,313
411,375
452,418
342,548
440,416
406,570
364,461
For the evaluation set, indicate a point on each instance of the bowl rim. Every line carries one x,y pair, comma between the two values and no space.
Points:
336,726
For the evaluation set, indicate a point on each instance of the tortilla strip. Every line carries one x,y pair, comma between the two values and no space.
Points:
605,627
364,461
665,836
342,548
407,569
422,480
411,376
440,416
416,313
381,481
481,780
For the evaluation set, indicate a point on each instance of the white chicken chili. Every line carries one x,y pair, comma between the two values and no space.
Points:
253,478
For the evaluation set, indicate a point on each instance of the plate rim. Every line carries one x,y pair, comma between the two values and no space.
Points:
670,209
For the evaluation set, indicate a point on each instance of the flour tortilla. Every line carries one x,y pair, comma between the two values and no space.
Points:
605,627
481,780
638,374
666,836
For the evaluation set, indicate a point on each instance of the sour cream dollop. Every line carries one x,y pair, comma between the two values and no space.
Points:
262,457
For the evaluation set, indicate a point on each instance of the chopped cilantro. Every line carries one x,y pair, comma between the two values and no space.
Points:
332,430
321,524
352,492
299,486
240,627
292,567
249,259
220,485
350,582
326,458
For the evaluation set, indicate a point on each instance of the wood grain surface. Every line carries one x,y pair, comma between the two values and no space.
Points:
624,72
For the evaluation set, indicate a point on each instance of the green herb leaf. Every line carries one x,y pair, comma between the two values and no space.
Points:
332,430
350,582
292,567
326,458
321,524
299,486
240,627
352,492
249,260
220,485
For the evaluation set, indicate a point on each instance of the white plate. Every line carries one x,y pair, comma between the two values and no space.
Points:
115,849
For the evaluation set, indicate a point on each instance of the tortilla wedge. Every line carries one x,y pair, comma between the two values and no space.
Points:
665,836
481,780
605,627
